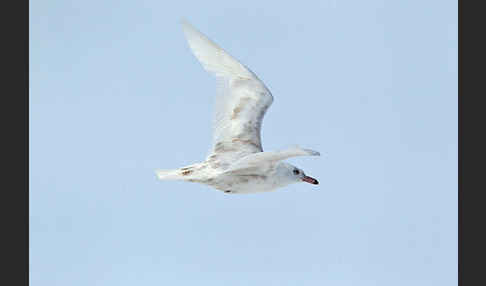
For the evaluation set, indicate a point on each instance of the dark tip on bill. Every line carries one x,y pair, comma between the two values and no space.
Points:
310,180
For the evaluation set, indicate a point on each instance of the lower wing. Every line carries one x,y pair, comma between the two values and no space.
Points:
265,160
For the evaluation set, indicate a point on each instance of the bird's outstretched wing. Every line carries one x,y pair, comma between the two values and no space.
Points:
266,160
241,102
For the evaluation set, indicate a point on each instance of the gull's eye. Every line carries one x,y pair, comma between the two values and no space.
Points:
296,172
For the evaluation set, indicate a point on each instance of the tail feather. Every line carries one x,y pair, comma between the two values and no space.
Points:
168,174
184,173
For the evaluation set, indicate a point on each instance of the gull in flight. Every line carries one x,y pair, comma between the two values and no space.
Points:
237,163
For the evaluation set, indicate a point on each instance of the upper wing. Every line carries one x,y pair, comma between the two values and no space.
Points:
241,102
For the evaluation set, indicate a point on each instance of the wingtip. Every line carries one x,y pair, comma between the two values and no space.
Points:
187,27
184,22
312,152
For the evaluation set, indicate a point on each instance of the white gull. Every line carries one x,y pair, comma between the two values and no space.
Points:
236,163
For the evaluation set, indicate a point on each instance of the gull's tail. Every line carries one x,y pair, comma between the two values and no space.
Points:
184,173
169,174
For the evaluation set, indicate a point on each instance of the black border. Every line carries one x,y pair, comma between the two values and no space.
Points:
471,144
14,211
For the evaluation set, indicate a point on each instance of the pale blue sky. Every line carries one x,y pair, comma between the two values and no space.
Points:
116,93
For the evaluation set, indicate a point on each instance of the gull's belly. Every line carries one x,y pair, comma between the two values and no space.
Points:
244,184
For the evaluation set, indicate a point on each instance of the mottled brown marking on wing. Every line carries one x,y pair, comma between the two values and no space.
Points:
236,111
219,147
222,147
250,142
237,133
186,172
239,107
214,164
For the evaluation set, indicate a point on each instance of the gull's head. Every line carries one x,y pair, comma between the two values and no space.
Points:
293,174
